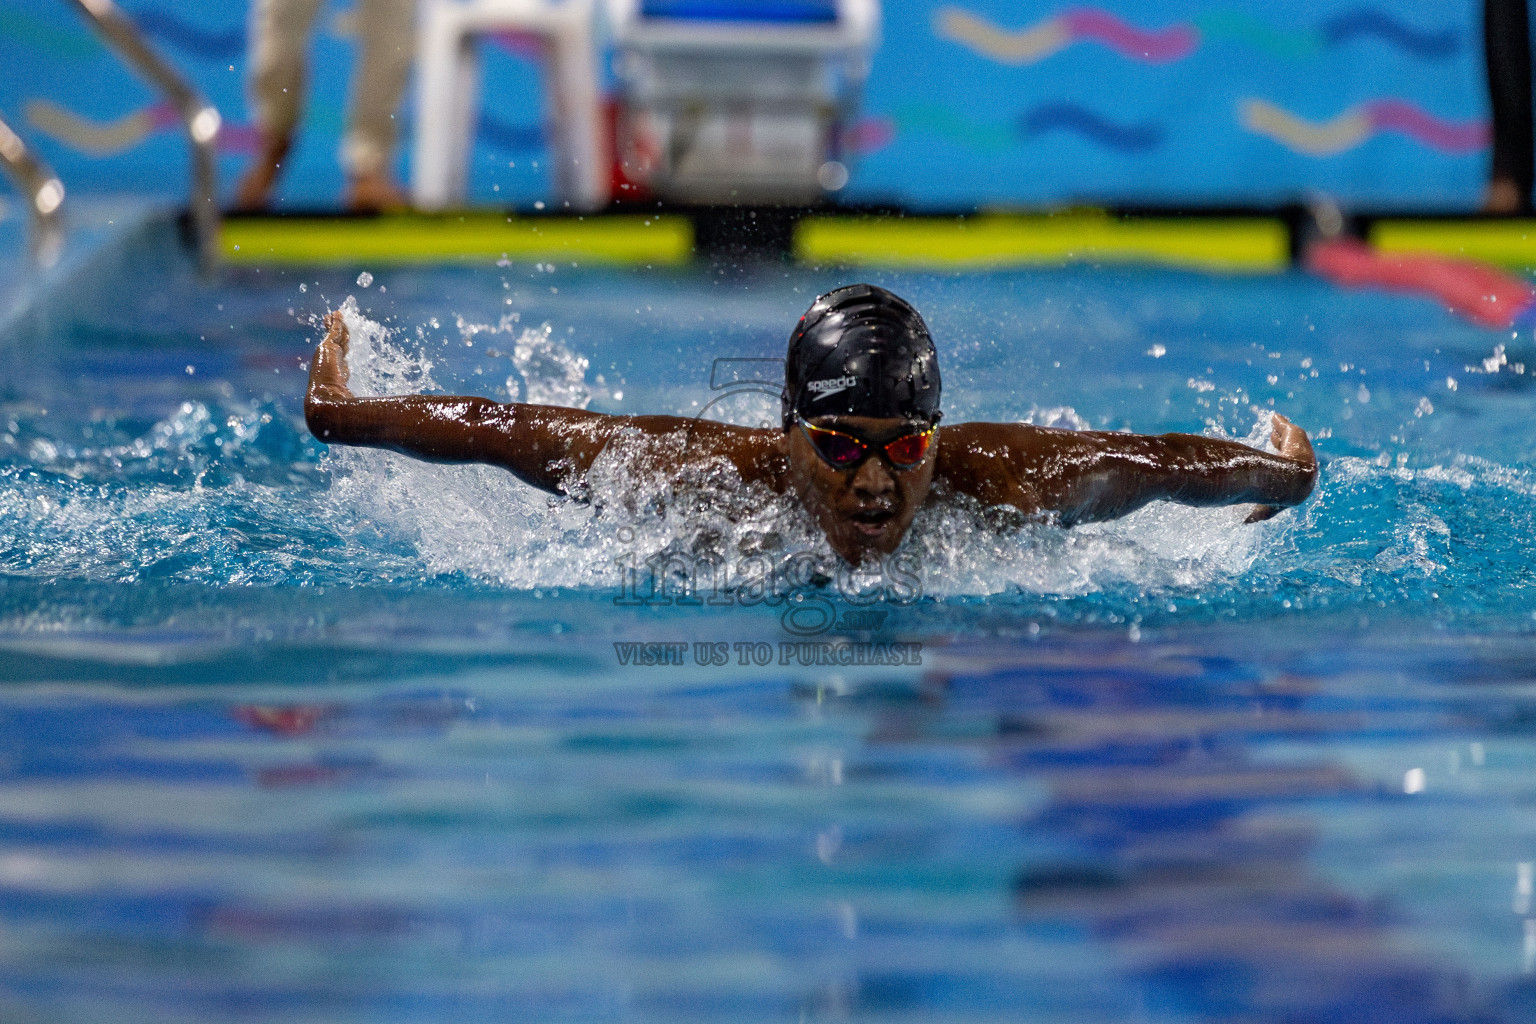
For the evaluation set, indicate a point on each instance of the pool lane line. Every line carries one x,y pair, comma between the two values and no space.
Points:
1508,242
1222,244
403,239
1476,290
1243,242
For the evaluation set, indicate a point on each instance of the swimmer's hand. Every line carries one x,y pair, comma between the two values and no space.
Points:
335,330
1292,443
328,373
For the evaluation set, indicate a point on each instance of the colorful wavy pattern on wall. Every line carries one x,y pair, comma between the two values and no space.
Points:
19,27
212,44
1040,120
1079,120
1350,129
109,138
1358,125
1173,43
75,43
1022,46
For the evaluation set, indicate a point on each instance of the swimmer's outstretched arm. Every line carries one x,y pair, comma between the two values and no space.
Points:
1088,476
540,445
545,446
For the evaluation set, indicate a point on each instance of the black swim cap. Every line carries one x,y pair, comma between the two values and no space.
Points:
861,351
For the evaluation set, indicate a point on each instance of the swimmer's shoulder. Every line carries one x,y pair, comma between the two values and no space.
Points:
1002,464
993,462
991,444
756,452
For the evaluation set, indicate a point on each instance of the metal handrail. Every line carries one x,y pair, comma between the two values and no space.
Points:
43,190
200,117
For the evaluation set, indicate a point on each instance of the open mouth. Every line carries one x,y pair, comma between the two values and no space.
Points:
871,522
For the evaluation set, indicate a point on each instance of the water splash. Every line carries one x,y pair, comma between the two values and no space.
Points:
548,372
235,491
479,522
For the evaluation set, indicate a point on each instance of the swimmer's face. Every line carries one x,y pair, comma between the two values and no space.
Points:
867,508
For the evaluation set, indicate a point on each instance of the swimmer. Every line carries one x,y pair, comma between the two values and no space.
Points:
860,445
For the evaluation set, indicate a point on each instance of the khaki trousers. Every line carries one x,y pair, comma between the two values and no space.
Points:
278,78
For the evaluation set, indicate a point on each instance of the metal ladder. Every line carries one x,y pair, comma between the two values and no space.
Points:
43,191
200,118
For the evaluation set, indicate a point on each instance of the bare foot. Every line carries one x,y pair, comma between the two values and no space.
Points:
255,187
1503,196
374,193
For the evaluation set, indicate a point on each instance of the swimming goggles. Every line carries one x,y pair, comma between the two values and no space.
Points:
844,451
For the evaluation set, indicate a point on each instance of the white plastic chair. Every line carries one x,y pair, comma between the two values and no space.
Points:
448,96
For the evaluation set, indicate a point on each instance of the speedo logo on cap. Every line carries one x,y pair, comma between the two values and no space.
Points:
831,386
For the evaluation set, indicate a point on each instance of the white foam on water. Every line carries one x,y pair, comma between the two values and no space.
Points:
228,495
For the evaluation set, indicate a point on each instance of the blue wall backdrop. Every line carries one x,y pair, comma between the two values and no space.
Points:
975,103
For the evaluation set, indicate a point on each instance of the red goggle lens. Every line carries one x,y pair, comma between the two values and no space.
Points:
845,450
906,452
839,449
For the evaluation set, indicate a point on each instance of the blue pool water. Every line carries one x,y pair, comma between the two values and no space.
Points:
298,734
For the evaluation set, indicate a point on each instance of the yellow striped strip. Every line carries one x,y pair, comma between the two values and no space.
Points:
626,240
1235,245
1510,243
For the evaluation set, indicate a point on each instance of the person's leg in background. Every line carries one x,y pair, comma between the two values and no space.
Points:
1507,54
387,45
279,41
